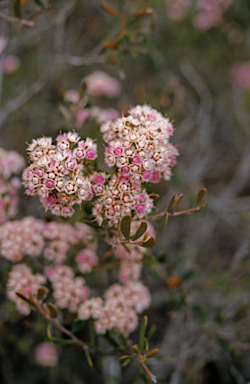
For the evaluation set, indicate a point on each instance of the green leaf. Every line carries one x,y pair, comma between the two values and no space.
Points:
170,204
140,231
124,358
125,226
58,341
200,196
142,333
17,9
176,204
149,244
151,331
111,339
162,221
77,325
49,330
146,346
88,357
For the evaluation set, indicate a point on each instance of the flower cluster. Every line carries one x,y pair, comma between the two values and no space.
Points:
119,308
139,145
22,280
10,163
59,237
33,237
56,174
209,13
68,291
140,151
21,237
121,196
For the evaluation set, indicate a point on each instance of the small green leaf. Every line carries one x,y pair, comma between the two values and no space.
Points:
41,293
162,221
17,9
146,346
88,357
125,226
126,362
151,331
142,333
171,202
153,353
200,196
49,330
140,231
77,325
58,341
176,204
149,244
124,358
53,311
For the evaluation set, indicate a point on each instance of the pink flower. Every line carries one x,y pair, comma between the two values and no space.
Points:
10,64
46,354
100,83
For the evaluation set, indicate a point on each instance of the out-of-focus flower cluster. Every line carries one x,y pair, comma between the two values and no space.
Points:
9,63
66,252
58,174
46,354
21,279
63,175
10,163
80,106
140,150
119,308
208,13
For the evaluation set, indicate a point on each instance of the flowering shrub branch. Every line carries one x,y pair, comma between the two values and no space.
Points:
66,174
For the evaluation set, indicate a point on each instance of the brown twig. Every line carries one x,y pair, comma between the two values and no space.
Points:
12,19
185,212
150,374
34,303
106,255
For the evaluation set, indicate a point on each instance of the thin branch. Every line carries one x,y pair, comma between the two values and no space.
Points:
12,19
185,212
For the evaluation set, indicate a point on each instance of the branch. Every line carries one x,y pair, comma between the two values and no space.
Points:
12,19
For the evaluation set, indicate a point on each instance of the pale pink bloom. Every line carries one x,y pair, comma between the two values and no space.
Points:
100,83
46,354
10,64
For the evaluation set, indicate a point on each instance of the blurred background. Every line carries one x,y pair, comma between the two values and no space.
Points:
189,59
